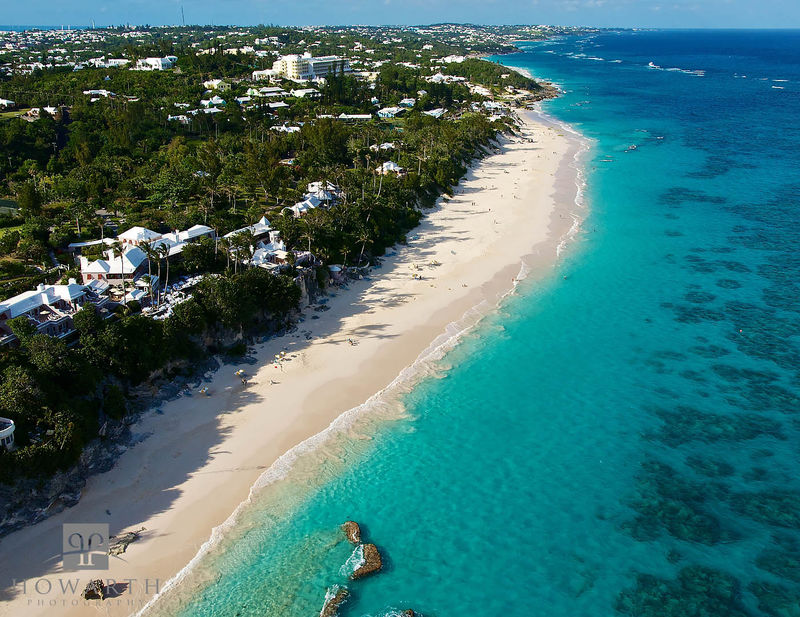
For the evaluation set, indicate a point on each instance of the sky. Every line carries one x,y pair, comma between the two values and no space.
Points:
605,13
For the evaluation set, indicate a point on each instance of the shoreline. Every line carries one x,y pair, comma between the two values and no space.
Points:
228,445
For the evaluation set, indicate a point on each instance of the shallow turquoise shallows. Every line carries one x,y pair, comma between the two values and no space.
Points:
622,436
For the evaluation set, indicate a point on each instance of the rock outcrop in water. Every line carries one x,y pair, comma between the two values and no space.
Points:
372,562
352,531
95,590
335,597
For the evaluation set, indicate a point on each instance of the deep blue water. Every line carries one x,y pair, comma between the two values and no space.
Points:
622,437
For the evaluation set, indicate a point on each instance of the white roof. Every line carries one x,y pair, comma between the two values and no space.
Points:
390,166
139,234
319,185
97,285
132,258
195,231
389,111
42,295
260,228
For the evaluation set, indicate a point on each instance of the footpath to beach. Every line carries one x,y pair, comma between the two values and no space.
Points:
198,459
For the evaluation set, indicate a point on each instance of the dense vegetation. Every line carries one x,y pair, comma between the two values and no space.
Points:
96,168
60,395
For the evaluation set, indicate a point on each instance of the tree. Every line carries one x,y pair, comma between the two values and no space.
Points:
21,398
23,328
29,200
199,256
151,253
119,251
163,252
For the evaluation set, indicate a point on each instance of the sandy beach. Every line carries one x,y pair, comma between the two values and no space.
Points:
198,459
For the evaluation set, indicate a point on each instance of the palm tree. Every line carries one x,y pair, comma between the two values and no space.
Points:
163,252
363,237
119,251
151,252
248,240
149,280
225,244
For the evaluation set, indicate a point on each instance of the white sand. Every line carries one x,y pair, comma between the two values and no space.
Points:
203,454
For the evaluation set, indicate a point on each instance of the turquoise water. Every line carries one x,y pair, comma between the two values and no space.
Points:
622,436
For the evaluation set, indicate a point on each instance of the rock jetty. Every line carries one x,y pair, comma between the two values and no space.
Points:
352,531
333,599
95,590
372,562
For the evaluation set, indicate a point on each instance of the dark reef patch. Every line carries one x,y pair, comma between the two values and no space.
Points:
669,502
709,467
776,600
696,592
782,559
779,508
677,195
686,424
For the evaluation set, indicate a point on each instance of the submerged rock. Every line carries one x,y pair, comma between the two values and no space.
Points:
95,590
352,531
334,597
372,562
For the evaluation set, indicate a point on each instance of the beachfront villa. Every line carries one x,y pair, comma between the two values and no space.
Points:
270,255
115,269
318,195
7,433
134,263
49,307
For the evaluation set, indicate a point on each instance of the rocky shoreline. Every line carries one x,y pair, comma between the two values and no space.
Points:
371,562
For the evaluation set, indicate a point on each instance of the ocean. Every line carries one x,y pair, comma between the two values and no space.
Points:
621,435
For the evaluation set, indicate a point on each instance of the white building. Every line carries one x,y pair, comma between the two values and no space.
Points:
136,235
389,112
265,74
115,269
155,64
259,229
305,67
390,167
49,307
217,84
7,433
302,93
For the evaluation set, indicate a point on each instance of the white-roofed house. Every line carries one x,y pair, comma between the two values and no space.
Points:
136,235
49,307
435,113
389,112
259,229
390,167
217,84
113,270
